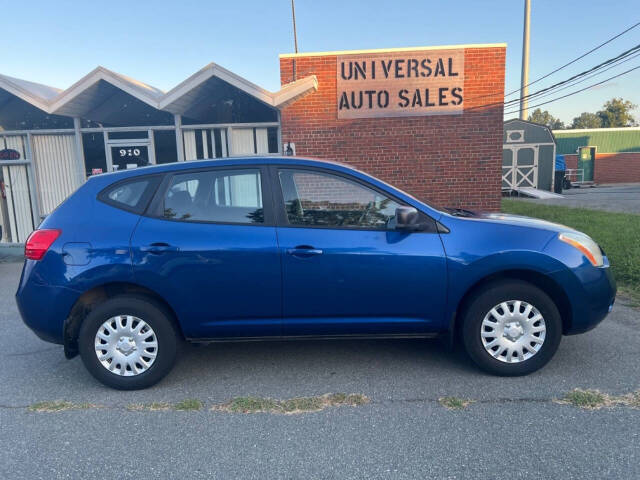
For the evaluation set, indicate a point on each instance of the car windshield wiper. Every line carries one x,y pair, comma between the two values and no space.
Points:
460,212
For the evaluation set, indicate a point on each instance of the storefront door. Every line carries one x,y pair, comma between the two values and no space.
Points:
586,159
127,153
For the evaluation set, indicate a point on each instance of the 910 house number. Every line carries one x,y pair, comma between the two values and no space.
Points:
129,152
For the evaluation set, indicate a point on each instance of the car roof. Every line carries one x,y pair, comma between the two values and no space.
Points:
103,180
227,162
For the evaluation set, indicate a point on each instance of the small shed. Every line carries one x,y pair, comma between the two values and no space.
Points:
528,156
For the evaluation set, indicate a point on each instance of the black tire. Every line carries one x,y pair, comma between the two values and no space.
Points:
155,315
491,296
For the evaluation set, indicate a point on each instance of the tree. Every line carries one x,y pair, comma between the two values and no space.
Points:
617,113
545,118
587,120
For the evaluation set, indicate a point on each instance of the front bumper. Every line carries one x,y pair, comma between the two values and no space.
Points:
591,292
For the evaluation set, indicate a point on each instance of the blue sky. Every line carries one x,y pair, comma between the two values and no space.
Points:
163,42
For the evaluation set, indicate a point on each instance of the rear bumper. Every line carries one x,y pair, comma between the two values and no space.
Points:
591,292
44,308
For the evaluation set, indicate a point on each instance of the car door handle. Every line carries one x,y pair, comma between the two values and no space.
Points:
159,247
304,251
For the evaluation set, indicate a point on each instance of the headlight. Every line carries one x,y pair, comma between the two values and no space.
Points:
586,245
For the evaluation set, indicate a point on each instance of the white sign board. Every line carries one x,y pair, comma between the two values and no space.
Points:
399,84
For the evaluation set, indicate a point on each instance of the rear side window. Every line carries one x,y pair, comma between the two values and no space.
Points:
128,194
224,196
132,195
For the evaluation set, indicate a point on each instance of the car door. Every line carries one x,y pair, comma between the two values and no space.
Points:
346,270
208,246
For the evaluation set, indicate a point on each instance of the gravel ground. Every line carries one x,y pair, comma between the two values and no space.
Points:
513,429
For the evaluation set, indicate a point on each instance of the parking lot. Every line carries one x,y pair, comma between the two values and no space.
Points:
514,427
623,198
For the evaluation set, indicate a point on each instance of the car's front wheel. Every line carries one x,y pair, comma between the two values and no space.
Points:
511,328
128,342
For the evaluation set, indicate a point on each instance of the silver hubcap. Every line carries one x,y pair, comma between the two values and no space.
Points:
126,345
513,331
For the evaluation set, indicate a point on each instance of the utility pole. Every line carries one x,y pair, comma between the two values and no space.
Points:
524,79
293,15
295,36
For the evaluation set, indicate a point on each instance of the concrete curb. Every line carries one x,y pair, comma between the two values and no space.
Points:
11,252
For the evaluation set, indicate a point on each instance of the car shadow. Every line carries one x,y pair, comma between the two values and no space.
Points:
307,360
385,370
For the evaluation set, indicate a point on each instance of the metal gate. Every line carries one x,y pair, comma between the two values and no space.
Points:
519,166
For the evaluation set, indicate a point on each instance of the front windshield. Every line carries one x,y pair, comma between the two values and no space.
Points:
413,197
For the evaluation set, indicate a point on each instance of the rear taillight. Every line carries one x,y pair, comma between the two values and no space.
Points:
39,242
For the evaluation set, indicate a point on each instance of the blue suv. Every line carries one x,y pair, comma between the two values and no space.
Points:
285,248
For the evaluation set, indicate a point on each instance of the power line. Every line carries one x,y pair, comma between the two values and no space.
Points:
576,59
562,66
578,91
553,88
594,74
607,62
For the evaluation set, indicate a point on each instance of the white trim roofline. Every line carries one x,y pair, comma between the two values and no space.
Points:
204,74
393,50
581,130
273,99
293,91
146,93
57,99
30,92
531,123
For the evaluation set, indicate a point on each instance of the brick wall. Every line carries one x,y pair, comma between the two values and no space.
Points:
450,160
612,167
571,161
617,167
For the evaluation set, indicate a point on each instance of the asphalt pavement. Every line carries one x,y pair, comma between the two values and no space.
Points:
513,429
623,198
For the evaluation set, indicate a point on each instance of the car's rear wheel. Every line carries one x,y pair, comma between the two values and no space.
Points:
128,342
511,328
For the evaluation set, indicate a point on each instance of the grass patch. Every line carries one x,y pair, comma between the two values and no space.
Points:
58,406
292,405
352,400
190,404
617,233
593,399
251,405
590,399
150,407
454,403
631,399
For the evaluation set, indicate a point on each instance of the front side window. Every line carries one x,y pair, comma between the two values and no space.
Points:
322,199
225,196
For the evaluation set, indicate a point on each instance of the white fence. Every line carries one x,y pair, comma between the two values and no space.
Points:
54,159
16,209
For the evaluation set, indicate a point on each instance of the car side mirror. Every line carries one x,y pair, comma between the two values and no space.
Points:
407,219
